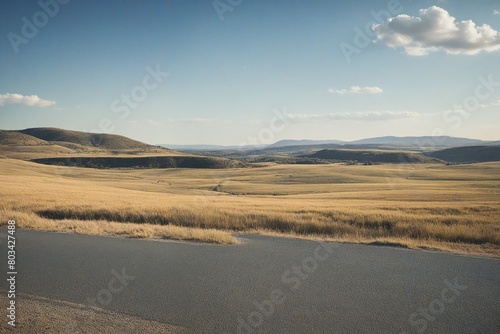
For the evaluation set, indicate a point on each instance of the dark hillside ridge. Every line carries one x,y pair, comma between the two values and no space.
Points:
143,162
468,154
372,156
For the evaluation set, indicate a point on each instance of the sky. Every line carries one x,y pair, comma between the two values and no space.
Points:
233,72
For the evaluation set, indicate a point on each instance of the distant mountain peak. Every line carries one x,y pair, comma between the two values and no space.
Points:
302,142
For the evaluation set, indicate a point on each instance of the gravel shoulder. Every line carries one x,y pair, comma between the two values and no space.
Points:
43,315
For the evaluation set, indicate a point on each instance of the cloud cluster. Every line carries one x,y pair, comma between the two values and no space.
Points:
356,90
354,116
435,29
28,100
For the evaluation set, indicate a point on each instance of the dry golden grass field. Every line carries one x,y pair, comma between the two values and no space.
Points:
429,206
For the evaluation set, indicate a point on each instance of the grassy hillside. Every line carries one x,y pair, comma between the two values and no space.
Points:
468,154
17,138
376,156
60,147
106,141
52,142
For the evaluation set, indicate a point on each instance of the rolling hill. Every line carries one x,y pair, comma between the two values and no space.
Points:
49,142
101,140
53,146
18,138
468,154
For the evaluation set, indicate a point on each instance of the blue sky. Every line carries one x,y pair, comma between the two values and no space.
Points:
233,66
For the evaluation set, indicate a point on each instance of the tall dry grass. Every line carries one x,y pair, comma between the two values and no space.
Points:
30,220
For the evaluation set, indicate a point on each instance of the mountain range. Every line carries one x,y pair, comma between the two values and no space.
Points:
432,142
54,143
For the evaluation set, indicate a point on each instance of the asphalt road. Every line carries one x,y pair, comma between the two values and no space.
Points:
266,285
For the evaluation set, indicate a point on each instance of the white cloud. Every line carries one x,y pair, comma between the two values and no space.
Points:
28,100
458,112
490,105
496,12
356,90
354,116
435,29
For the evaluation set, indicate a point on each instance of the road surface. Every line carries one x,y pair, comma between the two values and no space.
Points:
265,285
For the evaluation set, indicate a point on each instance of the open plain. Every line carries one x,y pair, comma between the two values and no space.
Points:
430,206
